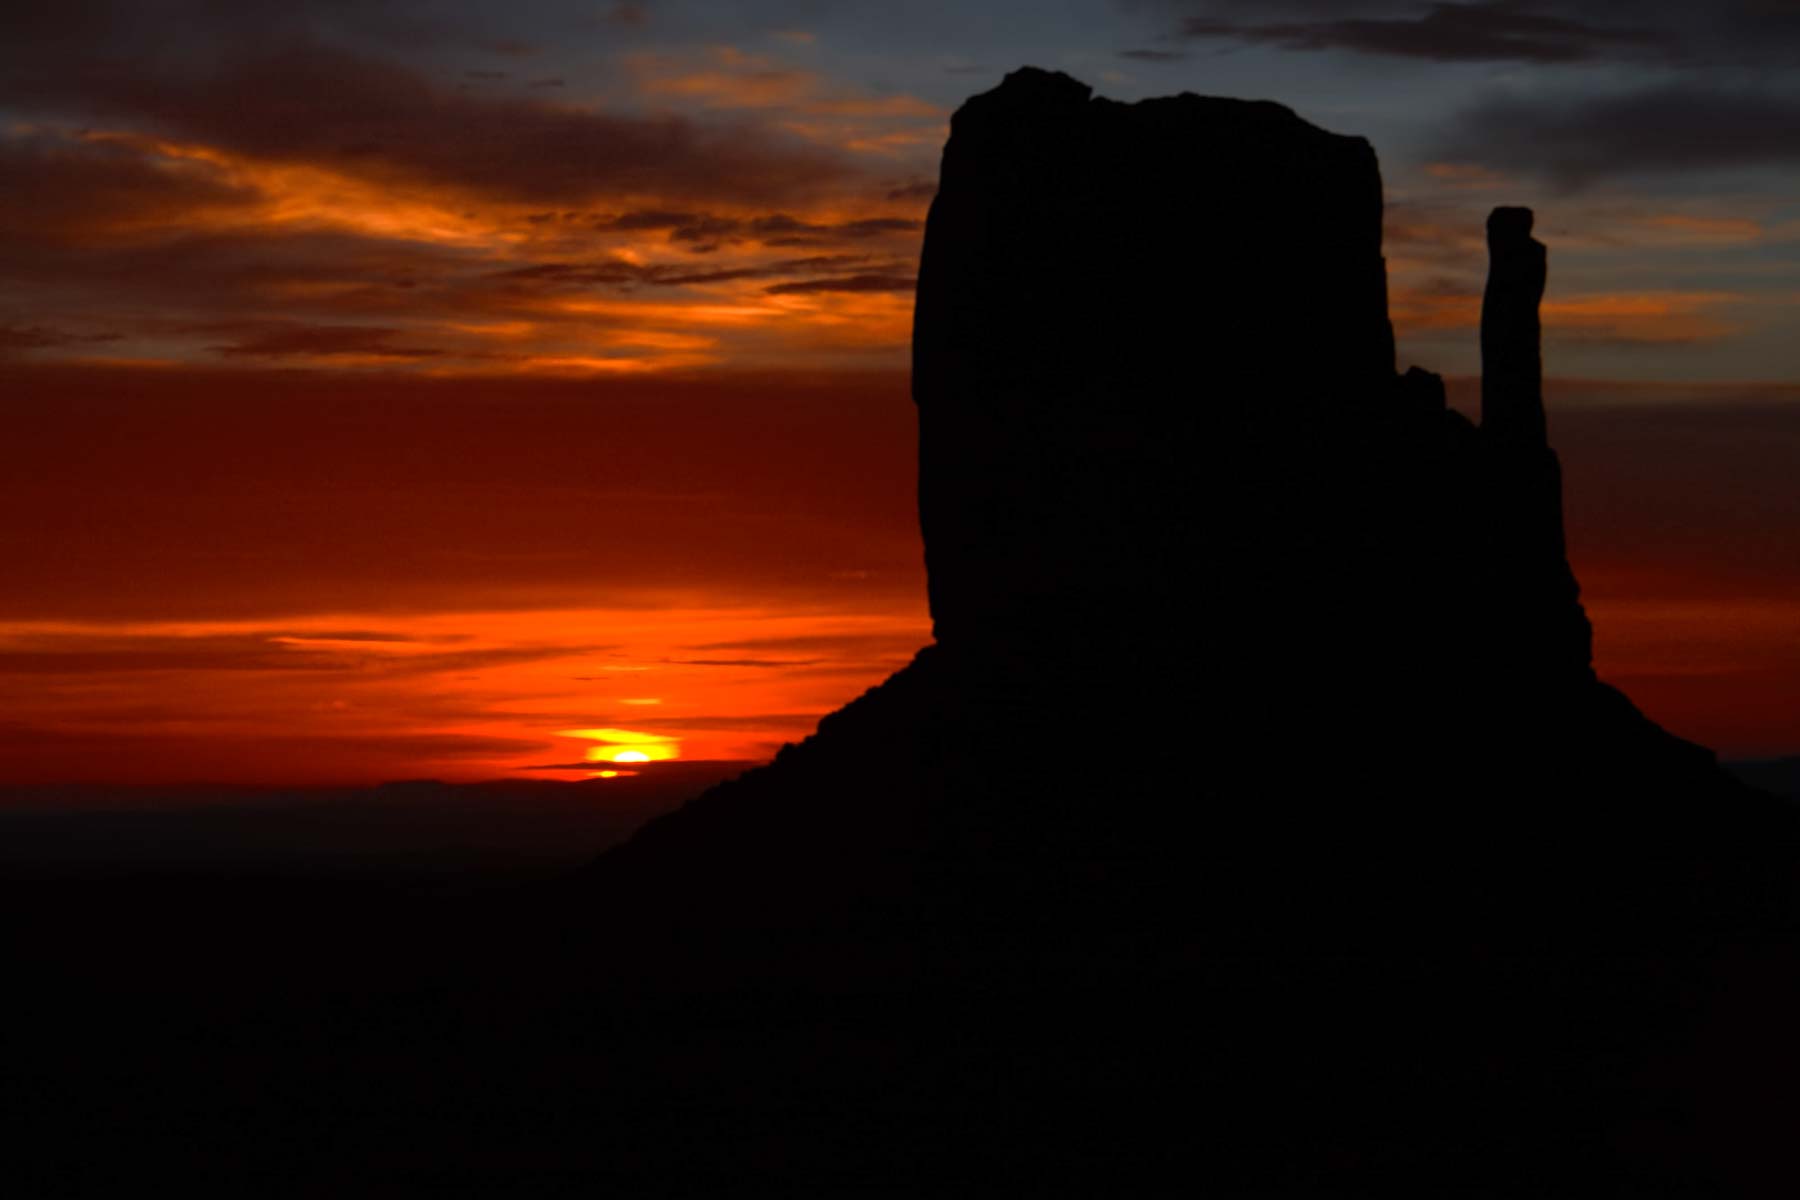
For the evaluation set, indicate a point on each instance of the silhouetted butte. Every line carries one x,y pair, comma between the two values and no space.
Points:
1216,591
1260,679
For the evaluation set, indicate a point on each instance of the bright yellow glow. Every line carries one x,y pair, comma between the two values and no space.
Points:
625,754
621,737
363,685
628,745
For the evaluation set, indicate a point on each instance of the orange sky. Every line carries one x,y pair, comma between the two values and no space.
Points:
282,577
287,577
375,413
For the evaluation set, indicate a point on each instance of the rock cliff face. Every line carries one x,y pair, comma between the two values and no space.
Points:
1108,295
1249,651
1211,582
1161,430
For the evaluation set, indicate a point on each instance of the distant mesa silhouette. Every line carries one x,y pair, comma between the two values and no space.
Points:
1248,649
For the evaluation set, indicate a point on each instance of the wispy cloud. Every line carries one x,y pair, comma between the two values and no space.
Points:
344,203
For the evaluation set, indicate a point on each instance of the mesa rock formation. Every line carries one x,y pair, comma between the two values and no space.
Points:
1261,689
1221,600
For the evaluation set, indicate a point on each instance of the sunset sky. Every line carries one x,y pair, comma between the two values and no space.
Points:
460,389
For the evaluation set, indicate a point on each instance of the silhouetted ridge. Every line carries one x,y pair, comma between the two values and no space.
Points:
1211,581
1248,650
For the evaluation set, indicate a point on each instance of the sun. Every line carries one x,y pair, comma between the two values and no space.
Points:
627,745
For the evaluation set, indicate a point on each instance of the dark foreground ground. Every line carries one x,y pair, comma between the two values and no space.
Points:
345,1031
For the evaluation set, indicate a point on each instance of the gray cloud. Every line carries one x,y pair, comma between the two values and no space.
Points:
1537,31
1576,140
1486,31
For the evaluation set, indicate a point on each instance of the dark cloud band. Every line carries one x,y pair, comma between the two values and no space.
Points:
1532,31
1577,140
